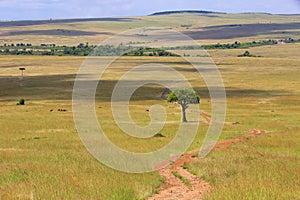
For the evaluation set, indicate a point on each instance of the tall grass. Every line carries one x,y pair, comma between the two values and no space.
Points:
42,156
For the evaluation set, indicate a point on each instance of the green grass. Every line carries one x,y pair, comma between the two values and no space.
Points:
266,167
42,156
262,168
40,150
184,180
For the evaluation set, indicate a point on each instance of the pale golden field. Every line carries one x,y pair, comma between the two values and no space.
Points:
42,156
73,33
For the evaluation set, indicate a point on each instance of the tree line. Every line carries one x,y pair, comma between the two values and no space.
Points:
125,50
81,50
236,45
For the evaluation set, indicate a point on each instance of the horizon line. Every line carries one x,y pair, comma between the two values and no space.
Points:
152,14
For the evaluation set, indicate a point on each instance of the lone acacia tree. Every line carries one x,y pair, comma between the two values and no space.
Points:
184,97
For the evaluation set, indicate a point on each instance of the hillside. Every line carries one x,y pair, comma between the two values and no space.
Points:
186,12
208,28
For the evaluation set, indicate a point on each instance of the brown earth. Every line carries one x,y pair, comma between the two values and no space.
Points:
174,188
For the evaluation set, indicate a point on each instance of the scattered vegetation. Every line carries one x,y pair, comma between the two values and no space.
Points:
126,50
266,165
21,102
236,45
184,180
45,50
145,51
57,166
81,50
159,135
187,26
246,54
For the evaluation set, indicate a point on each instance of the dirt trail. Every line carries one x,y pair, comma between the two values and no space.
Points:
225,144
174,188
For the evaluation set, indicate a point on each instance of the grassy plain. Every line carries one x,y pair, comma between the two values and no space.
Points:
42,157
266,167
40,148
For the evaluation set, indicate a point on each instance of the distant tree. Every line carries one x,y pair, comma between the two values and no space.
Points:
246,54
81,45
184,97
21,102
22,69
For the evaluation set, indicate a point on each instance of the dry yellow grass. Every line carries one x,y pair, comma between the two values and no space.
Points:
41,155
41,149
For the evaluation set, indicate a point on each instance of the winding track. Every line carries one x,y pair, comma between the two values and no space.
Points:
174,188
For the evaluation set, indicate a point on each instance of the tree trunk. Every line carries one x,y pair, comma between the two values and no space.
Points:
183,108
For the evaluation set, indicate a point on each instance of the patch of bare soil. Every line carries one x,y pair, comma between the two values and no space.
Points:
174,188
225,144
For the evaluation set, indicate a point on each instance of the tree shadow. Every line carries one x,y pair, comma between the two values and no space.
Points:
60,87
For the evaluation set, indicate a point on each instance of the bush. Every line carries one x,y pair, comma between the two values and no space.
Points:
159,135
21,102
247,54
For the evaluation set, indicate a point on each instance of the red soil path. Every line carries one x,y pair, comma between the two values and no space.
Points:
174,188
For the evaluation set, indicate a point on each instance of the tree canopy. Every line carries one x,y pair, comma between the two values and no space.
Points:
184,97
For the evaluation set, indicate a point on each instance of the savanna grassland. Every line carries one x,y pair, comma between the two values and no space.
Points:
42,156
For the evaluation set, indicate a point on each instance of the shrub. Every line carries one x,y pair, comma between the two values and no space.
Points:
21,102
247,54
159,135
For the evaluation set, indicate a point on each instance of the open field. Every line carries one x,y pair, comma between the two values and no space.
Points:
207,29
42,156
